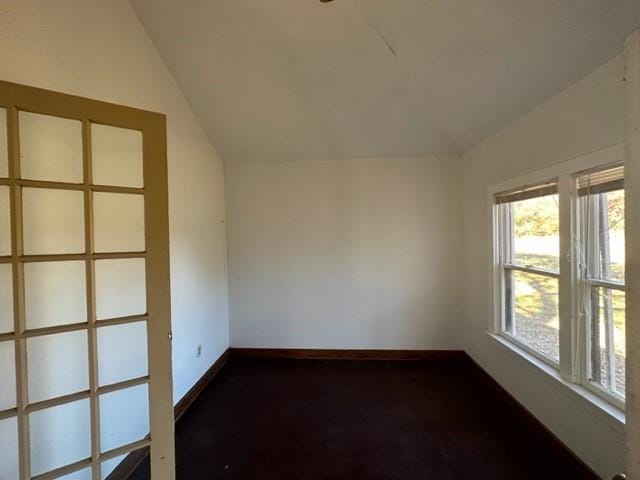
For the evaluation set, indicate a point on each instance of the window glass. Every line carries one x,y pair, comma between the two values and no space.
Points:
4,153
535,320
50,148
9,450
117,156
5,221
529,246
535,232
528,275
613,236
59,436
607,331
124,417
602,275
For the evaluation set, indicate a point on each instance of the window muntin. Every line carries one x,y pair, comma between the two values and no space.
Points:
529,246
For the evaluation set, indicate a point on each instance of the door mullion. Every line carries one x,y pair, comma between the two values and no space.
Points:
22,399
91,310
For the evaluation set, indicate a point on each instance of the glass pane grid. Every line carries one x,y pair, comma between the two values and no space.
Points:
50,148
57,365
124,417
17,333
118,222
116,156
122,352
52,221
136,433
6,299
81,469
4,151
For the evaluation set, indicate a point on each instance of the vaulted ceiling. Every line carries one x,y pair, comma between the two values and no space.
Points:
295,80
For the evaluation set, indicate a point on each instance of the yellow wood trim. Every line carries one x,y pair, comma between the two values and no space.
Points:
153,127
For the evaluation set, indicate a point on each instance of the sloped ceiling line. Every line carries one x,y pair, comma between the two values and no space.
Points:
299,80
446,135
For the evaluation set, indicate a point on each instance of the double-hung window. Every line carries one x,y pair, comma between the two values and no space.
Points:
601,290
529,258
559,275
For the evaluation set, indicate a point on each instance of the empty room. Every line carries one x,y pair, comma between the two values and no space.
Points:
319,239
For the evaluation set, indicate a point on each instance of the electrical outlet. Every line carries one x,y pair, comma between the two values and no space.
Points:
199,351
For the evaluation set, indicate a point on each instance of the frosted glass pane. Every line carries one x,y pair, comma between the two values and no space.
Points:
117,156
50,148
122,352
5,222
118,222
120,288
53,221
6,298
4,152
55,293
79,475
109,466
9,449
124,417
57,365
59,436
7,375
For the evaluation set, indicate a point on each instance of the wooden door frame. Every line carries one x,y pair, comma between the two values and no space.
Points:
15,98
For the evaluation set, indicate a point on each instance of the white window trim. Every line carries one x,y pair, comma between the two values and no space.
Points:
570,370
610,413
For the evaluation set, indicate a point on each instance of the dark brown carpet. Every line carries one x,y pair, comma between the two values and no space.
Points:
318,419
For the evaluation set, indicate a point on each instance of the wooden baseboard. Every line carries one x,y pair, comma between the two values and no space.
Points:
581,470
195,391
126,468
348,354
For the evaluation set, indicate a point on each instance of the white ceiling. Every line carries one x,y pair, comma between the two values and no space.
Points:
283,80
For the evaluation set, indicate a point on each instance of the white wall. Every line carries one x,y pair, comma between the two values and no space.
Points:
584,118
98,49
335,254
345,254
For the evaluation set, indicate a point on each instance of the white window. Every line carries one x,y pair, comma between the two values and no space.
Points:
601,289
559,275
529,245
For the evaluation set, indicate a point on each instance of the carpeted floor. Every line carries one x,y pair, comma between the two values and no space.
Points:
318,419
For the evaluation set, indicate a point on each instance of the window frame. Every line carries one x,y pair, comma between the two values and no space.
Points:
504,246
572,367
591,284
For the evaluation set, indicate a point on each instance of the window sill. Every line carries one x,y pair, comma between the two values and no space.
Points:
592,402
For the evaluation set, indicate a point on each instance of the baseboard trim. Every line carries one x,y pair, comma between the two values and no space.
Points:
349,354
582,471
194,392
126,468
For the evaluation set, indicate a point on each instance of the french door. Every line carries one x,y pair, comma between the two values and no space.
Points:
85,339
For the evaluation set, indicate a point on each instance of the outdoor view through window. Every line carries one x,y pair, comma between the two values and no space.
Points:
603,299
534,287
593,275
